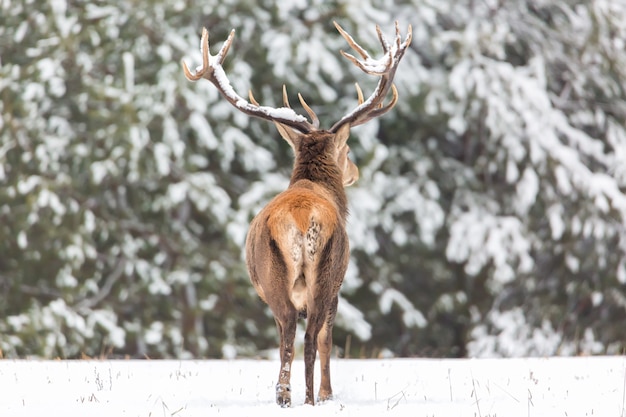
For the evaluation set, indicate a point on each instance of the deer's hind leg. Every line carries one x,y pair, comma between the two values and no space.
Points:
275,286
286,325
315,322
321,309
331,270
286,317
324,347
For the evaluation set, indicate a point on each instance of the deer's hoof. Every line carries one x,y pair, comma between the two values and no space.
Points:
283,395
324,396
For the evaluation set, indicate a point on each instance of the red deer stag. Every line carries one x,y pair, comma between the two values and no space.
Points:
297,247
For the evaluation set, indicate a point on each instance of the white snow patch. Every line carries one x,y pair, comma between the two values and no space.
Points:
411,316
352,319
527,190
22,240
540,387
203,130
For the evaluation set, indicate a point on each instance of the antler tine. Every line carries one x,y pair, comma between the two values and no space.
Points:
212,70
383,109
314,119
383,40
399,37
352,43
409,37
221,55
309,110
285,98
380,109
204,48
384,67
252,99
359,93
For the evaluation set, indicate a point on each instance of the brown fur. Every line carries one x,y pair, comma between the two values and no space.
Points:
297,252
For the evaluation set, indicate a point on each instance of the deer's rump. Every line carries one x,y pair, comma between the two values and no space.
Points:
287,241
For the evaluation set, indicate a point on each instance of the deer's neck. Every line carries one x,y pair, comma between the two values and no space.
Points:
323,173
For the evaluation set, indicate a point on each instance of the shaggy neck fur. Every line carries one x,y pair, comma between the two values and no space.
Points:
314,162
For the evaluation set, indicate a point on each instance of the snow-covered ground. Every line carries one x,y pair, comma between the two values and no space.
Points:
583,386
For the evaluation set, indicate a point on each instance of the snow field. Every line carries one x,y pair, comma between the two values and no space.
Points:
582,386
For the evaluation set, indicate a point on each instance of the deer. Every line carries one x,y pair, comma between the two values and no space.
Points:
297,250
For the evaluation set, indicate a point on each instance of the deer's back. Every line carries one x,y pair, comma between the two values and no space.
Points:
286,241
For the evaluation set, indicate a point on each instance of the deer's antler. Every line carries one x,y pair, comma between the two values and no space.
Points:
384,67
212,70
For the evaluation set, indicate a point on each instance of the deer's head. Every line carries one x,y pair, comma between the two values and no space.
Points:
296,129
320,142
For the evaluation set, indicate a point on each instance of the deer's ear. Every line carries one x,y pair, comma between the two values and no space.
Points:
291,136
342,135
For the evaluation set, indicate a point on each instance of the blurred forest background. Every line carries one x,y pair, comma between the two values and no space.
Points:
489,219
